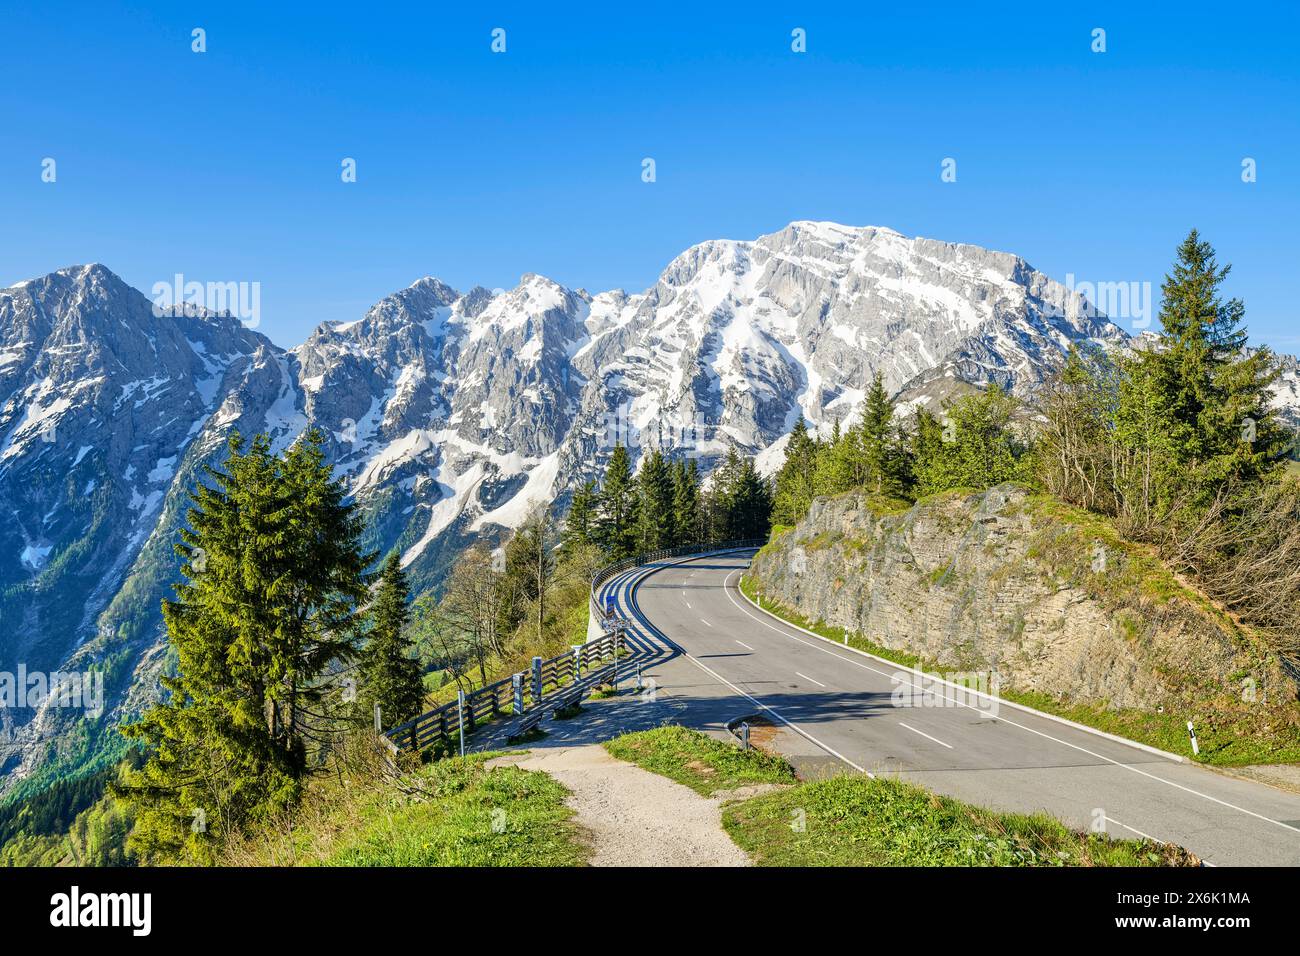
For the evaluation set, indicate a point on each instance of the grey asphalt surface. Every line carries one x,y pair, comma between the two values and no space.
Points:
707,649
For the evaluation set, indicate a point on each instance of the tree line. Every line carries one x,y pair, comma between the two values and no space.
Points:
1175,440
976,445
666,504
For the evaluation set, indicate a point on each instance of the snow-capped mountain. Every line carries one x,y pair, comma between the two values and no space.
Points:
450,414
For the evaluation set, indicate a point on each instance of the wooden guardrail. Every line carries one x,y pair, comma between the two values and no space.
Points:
523,692
515,695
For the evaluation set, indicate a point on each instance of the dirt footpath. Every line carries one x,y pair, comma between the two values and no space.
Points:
635,817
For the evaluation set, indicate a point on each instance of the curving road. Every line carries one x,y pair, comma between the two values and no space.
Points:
718,657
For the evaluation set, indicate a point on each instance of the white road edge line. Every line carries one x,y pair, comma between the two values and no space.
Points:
1145,836
744,645
775,713
1204,796
928,737
806,677
702,621
629,585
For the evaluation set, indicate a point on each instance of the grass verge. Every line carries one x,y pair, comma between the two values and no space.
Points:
855,820
453,812
860,821
698,761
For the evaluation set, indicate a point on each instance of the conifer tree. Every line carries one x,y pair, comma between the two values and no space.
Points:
749,504
617,524
796,481
686,502
880,468
390,671
1216,393
655,517
580,523
273,579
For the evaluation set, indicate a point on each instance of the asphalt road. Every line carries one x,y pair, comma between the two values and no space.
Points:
711,646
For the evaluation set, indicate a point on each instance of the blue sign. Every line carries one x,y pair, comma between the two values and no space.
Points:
609,605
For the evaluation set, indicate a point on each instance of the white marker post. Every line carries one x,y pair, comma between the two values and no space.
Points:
460,716
1191,731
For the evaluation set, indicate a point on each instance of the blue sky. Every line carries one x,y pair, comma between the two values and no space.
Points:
477,167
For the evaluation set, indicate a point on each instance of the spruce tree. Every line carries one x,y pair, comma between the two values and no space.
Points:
796,481
580,523
750,504
877,469
617,523
654,503
390,672
686,502
273,578
1215,391
927,450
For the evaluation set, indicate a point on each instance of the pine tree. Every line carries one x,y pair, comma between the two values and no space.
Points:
390,672
1216,392
879,467
655,503
750,504
617,524
686,502
796,481
580,524
722,490
927,453
273,578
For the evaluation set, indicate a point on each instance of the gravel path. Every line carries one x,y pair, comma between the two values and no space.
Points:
635,817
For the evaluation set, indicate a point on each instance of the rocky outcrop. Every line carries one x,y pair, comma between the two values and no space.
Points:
1048,597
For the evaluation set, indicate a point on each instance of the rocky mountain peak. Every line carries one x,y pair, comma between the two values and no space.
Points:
453,415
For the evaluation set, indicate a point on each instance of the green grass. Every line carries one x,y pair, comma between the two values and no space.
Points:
458,813
855,820
698,761
859,821
1226,738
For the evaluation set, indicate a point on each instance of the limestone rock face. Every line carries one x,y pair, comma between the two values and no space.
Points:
997,581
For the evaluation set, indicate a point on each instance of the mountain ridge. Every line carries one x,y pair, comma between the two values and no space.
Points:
451,414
